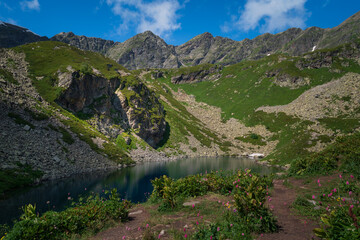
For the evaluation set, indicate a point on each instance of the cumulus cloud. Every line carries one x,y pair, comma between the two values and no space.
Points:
272,15
159,16
30,5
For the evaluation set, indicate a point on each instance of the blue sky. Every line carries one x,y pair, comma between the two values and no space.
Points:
177,21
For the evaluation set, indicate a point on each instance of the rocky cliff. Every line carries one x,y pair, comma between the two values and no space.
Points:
12,35
83,42
114,105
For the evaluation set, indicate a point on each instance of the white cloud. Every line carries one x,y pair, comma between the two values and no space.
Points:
30,5
3,4
272,15
159,16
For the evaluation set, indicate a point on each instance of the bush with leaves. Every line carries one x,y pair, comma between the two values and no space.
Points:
89,215
342,223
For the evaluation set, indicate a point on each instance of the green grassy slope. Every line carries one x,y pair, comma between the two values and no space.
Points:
246,86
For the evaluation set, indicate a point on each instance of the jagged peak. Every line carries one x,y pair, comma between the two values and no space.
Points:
206,34
147,33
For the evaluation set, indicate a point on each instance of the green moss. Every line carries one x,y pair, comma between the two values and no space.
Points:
19,120
8,76
324,139
345,125
11,63
120,141
253,139
66,136
38,116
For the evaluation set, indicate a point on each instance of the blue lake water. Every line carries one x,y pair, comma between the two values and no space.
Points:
133,183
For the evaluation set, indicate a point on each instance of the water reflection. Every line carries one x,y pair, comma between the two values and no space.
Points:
132,183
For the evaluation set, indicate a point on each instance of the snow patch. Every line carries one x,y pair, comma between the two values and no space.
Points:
256,155
27,30
313,49
268,54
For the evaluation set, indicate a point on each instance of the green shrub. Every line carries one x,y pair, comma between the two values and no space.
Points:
66,136
254,136
85,68
8,76
38,116
341,224
86,216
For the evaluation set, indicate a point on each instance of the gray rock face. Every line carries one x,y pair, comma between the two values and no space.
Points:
12,35
145,50
115,102
199,75
83,42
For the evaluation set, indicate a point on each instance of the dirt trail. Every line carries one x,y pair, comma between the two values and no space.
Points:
292,227
128,230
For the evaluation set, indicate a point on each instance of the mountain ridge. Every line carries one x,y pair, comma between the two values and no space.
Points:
147,50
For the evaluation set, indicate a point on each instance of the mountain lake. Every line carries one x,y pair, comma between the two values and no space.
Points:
133,183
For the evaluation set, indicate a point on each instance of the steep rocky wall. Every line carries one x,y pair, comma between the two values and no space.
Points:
114,105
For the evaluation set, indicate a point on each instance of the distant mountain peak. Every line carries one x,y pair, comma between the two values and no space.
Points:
12,35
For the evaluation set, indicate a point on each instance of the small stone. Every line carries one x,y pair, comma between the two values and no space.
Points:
135,213
190,203
56,159
162,233
312,201
317,208
27,127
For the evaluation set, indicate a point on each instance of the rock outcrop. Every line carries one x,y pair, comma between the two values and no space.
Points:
83,42
197,75
114,102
